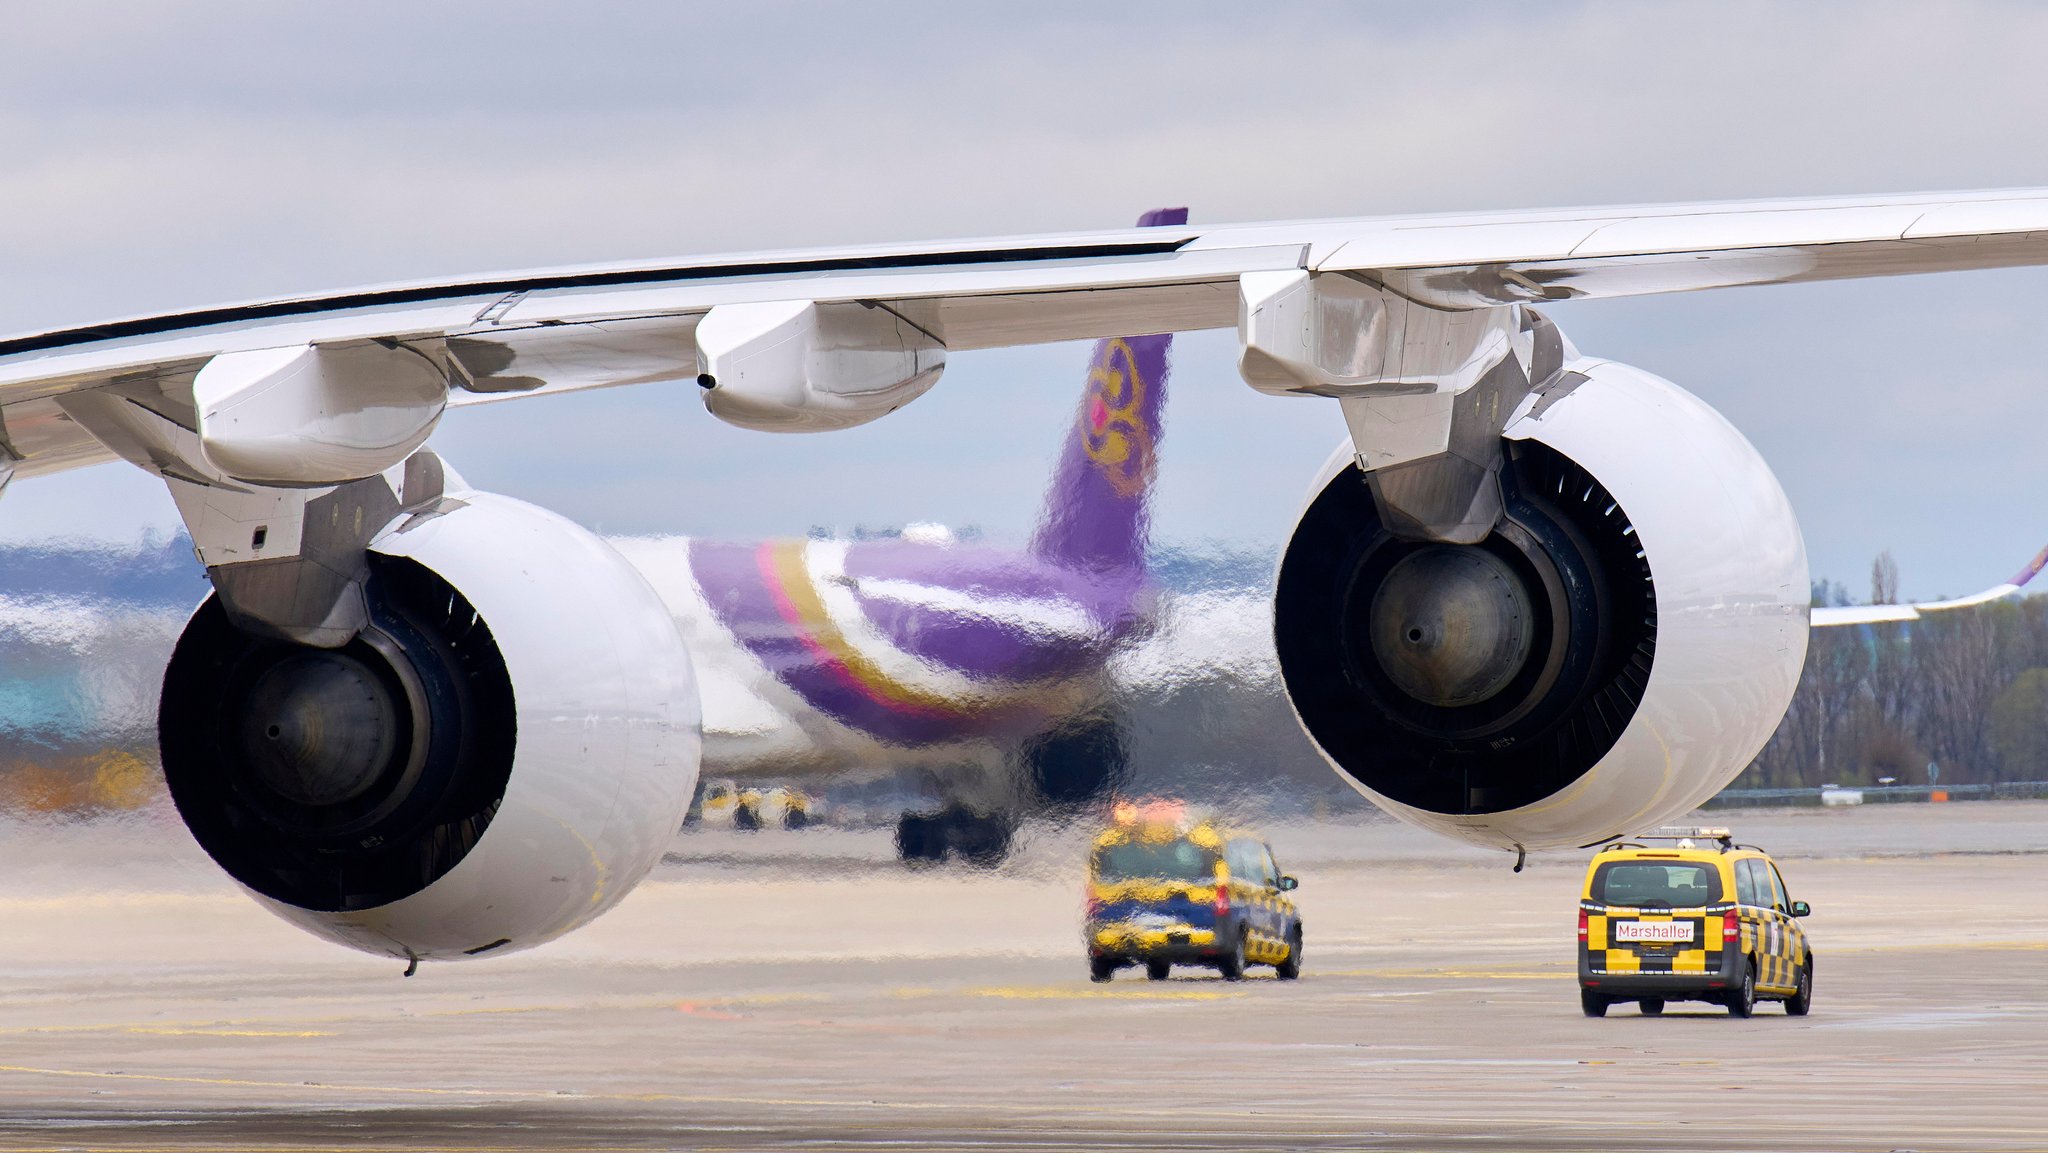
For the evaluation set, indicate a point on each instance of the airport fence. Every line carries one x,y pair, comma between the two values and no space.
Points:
1828,795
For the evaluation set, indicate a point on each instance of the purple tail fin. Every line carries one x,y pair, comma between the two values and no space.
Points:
1095,514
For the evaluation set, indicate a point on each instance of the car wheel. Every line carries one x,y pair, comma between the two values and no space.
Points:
1231,964
1592,1004
1651,1006
1289,969
1742,999
1158,970
1101,968
1801,1002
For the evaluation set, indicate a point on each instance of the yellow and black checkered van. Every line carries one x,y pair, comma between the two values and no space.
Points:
1164,890
1689,915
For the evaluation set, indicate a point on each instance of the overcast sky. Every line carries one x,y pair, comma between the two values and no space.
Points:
163,155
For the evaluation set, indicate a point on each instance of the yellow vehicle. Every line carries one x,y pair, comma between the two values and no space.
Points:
1663,918
1163,891
727,805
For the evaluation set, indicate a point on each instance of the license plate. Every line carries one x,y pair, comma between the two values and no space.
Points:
1654,932
1155,921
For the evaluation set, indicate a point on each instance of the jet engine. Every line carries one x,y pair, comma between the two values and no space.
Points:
496,759
1618,648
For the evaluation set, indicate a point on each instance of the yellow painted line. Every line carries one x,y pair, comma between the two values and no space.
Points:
1451,974
790,998
296,1026
1925,946
228,1032
249,1083
80,901
276,1022
1078,993
1133,992
297,1146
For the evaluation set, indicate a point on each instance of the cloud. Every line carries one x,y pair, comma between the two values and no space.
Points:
159,155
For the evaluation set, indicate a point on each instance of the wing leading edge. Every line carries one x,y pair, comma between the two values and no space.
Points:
557,330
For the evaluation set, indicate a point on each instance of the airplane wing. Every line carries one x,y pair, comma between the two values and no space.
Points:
549,331
1825,616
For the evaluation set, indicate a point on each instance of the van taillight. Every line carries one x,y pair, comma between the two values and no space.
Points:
1731,927
1582,925
1222,900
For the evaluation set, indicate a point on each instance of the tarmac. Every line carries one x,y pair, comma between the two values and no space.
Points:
800,989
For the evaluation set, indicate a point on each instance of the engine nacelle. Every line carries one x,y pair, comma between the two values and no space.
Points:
498,758
1611,656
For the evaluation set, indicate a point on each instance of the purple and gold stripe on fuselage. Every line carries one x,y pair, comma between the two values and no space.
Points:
788,580
951,653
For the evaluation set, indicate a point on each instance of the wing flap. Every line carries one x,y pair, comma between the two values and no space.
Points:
46,440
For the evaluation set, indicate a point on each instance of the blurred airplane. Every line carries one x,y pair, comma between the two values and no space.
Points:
1534,598
823,660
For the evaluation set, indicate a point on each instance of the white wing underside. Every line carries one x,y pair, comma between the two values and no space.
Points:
524,334
1826,616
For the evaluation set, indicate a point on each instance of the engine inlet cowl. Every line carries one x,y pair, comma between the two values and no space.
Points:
497,758
1610,656
1469,679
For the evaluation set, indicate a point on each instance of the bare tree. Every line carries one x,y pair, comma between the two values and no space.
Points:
1891,661
1884,579
2019,727
1808,745
1966,687
1955,658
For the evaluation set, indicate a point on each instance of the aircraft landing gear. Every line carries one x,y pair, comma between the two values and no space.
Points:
920,839
980,839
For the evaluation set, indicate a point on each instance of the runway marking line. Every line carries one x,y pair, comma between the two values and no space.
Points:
217,1025
228,1032
251,1026
1927,946
1072,993
1454,974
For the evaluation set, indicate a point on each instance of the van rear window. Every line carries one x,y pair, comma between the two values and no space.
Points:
1161,860
1656,884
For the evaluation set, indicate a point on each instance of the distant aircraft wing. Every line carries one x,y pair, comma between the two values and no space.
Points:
1825,616
549,331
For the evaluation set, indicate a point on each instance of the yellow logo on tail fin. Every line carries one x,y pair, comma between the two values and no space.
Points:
1113,429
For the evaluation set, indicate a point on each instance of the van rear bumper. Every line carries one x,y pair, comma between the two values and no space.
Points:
1176,943
1633,984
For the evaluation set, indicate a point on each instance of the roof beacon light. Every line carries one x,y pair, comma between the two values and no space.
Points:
1690,833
